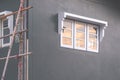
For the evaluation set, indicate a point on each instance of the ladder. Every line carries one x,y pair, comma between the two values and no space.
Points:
22,56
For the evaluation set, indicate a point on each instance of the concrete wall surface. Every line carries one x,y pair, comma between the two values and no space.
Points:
49,61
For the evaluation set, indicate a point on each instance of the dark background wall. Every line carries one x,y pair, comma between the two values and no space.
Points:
49,61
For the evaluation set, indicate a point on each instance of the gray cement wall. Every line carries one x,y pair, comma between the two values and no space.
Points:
49,61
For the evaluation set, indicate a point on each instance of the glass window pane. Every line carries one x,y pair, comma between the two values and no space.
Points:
92,44
5,23
67,24
80,26
80,35
93,37
6,40
67,33
67,41
6,31
92,29
80,43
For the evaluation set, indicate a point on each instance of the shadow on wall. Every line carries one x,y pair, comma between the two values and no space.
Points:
54,18
110,3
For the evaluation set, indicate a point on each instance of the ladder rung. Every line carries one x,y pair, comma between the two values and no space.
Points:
24,9
16,56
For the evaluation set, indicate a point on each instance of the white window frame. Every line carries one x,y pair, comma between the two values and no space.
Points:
102,26
10,26
62,38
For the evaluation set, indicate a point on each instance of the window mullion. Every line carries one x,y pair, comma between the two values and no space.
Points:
86,37
0,27
61,33
98,38
73,34
2,33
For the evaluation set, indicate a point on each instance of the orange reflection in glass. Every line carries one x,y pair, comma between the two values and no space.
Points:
80,34
67,41
92,37
67,24
92,29
67,33
80,26
92,44
80,43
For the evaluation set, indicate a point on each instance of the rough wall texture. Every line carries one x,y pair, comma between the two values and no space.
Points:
49,61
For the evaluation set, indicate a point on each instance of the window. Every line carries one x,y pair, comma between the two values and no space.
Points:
80,32
6,27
